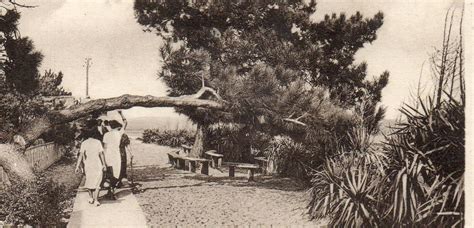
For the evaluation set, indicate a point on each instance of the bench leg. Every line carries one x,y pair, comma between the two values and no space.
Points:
231,171
192,166
181,164
250,174
264,168
205,168
214,163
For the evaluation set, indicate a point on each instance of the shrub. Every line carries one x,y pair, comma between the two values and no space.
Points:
415,180
398,185
291,158
428,164
347,190
62,134
237,142
40,203
171,138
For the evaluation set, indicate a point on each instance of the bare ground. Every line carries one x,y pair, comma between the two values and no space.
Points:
171,197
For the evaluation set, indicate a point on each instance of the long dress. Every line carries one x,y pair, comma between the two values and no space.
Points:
90,149
112,151
124,142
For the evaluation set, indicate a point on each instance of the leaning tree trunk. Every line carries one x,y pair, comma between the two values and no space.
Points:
13,160
198,148
14,163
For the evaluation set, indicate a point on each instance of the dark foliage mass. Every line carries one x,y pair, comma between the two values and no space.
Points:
171,138
245,33
21,84
40,203
21,70
270,61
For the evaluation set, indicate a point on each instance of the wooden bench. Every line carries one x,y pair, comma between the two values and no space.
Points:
186,149
193,164
250,167
176,160
263,162
179,161
215,157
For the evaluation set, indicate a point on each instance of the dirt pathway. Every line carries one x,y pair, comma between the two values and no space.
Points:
123,212
171,197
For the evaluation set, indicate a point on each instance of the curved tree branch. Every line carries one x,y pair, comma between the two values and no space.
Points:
297,120
38,126
35,128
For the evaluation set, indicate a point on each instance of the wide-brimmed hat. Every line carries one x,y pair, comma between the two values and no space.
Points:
110,116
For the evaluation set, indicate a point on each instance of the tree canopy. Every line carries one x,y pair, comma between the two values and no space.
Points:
269,60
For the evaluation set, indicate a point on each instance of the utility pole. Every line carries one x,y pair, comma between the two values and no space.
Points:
87,64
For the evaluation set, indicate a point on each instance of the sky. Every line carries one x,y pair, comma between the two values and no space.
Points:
126,60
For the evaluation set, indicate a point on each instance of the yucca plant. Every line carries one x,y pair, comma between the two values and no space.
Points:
418,181
421,194
428,149
347,190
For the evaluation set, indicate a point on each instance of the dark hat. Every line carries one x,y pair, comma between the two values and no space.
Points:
114,124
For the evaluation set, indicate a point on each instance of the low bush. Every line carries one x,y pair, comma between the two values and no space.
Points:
40,203
291,159
171,138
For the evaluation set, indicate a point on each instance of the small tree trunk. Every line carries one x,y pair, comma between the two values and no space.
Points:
15,164
198,147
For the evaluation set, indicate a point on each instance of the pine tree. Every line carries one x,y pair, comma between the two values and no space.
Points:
261,54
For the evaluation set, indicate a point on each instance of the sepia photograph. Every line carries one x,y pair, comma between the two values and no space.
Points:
234,113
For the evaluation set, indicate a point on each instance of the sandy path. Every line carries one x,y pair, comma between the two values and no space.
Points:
171,197
123,212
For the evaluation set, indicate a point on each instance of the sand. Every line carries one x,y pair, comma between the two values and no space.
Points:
171,197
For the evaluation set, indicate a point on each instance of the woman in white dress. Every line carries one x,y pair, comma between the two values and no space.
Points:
111,142
92,156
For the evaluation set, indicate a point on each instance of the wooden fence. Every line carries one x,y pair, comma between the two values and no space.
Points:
40,158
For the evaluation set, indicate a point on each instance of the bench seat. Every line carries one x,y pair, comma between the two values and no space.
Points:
250,167
193,164
215,157
186,149
176,160
179,161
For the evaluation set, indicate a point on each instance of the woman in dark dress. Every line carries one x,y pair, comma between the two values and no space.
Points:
124,149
